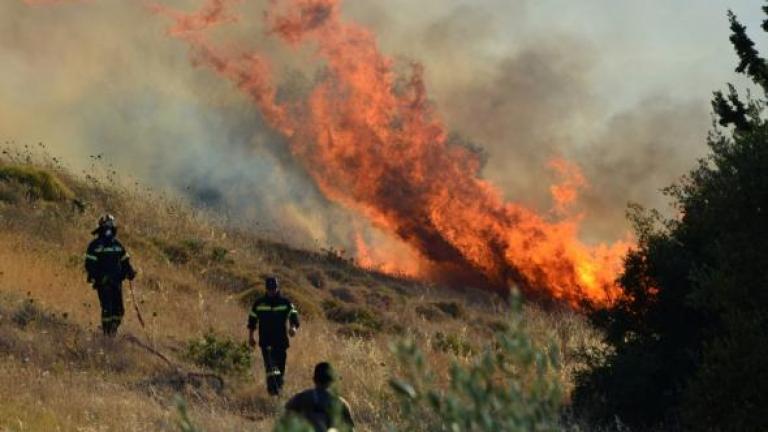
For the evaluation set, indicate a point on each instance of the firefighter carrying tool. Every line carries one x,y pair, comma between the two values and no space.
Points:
108,264
277,319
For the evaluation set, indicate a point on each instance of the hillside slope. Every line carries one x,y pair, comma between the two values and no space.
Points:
197,277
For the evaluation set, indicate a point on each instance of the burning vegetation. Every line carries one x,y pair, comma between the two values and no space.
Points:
372,141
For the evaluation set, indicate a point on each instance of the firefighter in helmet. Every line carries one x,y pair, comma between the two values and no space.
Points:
107,264
277,319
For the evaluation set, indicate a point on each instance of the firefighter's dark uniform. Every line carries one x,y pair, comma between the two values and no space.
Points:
108,264
270,315
323,409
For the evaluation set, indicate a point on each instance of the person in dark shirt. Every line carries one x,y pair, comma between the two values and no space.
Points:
107,265
323,409
277,319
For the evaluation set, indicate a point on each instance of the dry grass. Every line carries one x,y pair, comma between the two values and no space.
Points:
33,183
60,375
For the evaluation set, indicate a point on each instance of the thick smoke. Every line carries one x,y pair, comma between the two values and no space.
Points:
102,77
637,153
529,95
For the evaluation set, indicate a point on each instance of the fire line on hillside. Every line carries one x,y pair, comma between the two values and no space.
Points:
372,142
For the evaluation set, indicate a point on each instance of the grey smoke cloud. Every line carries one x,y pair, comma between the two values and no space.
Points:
620,88
103,78
638,152
524,113
520,78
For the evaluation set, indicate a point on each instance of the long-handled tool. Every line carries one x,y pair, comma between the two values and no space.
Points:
136,305
195,378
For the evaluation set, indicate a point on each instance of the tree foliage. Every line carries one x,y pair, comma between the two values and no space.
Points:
512,386
691,337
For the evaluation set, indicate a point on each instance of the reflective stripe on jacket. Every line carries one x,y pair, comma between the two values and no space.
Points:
272,315
106,261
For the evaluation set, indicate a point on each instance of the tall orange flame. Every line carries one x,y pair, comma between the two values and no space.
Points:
566,193
384,260
372,142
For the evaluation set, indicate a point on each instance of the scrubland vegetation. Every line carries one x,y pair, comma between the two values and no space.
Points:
683,350
197,280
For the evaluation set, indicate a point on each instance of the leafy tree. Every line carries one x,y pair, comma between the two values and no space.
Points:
690,339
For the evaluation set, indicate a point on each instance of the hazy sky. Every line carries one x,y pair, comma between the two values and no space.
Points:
679,47
676,46
620,87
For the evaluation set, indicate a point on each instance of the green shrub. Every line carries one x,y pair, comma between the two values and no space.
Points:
220,355
345,314
11,192
39,184
513,386
194,247
451,343
219,255
174,253
29,312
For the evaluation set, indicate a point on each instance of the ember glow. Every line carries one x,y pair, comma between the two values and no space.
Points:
372,141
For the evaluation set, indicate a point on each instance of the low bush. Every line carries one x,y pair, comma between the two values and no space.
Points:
344,314
316,278
29,312
11,192
452,343
378,300
39,183
219,255
181,252
233,281
512,386
344,294
220,354
193,246
304,302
